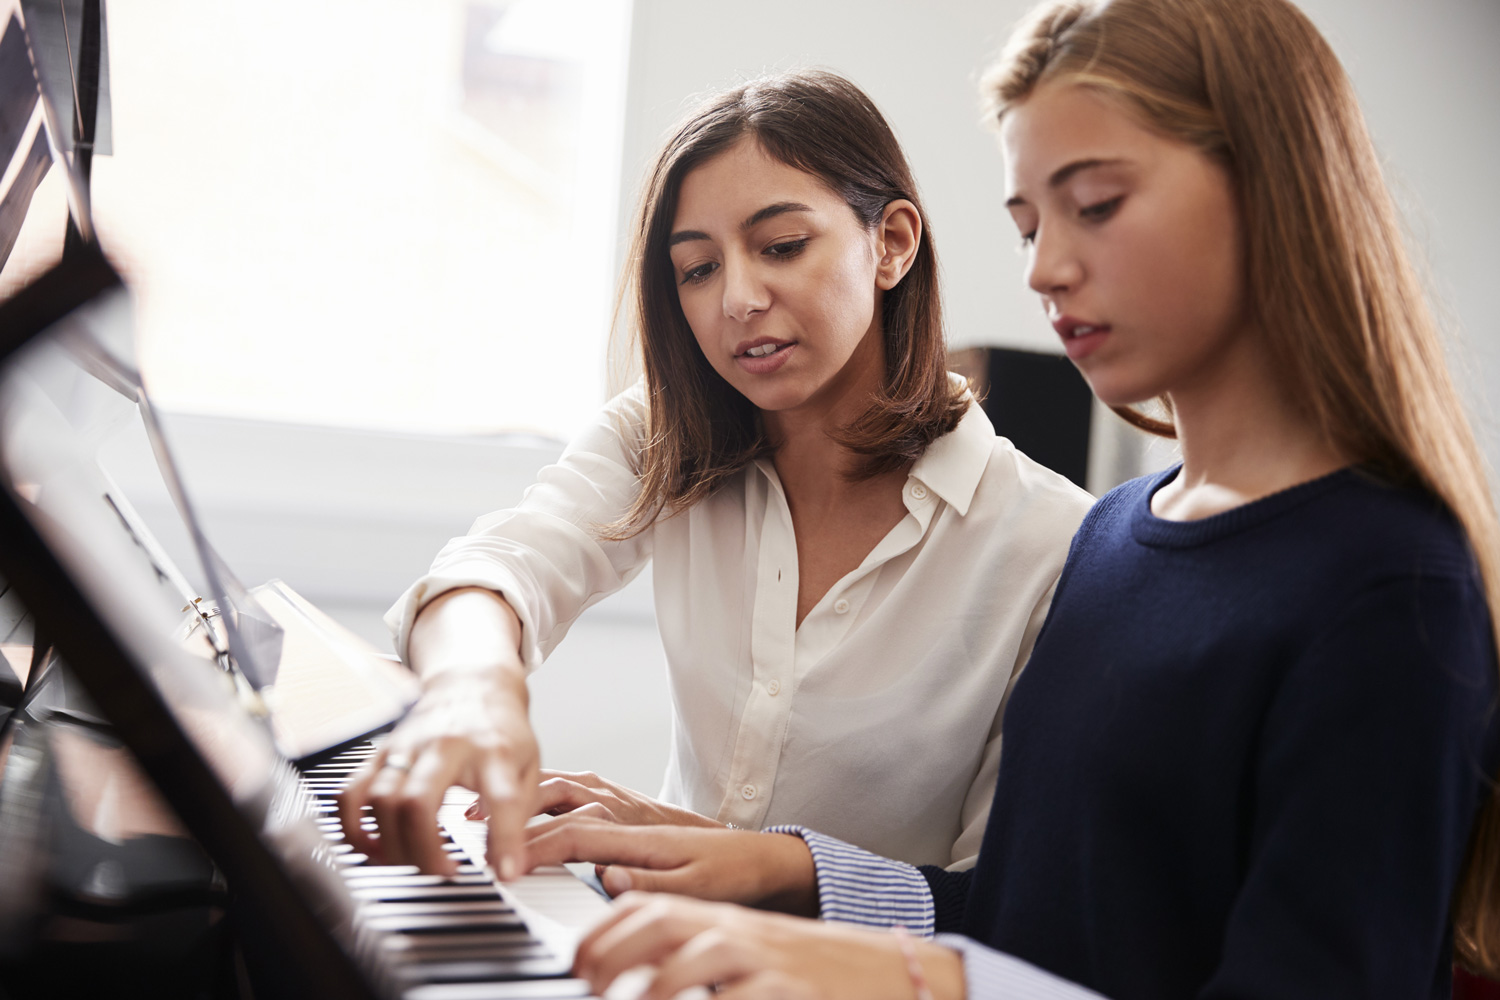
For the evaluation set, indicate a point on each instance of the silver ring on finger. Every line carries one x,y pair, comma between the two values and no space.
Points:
396,761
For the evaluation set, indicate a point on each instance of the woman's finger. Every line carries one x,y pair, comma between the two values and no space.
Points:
562,795
597,811
384,793
588,779
415,812
509,807
351,805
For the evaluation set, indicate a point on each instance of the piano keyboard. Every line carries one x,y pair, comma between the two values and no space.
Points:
461,938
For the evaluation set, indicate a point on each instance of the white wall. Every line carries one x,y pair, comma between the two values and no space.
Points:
1430,82
1426,72
917,60
349,518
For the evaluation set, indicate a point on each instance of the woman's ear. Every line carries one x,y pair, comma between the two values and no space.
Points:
898,235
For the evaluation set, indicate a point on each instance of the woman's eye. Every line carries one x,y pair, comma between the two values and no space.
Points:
700,273
1101,210
1027,239
787,248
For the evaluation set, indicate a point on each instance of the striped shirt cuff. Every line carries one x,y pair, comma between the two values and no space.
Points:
994,975
857,887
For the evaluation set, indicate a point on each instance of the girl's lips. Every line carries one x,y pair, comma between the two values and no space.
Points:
765,364
1084,342
1080,338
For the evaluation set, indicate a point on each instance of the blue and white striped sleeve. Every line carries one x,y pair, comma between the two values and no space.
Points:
994,975
857,887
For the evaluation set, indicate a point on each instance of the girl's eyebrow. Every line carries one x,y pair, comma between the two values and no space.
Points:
1061,175
769,212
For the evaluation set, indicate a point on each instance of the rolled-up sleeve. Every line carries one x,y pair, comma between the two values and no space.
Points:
545,556
857,887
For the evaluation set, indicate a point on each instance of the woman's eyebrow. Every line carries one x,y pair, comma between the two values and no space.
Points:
1061,175
769,212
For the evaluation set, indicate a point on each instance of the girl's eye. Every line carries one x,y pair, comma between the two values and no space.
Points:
787,248
1027,239
701,273
1099,211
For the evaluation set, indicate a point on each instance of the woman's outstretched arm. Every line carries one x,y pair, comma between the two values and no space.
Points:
470,727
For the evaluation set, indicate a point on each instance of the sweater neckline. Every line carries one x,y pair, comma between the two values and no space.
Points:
1148,529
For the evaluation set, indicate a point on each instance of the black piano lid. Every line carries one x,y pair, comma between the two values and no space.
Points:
92,589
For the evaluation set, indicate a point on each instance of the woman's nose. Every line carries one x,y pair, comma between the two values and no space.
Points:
744,294
1054,265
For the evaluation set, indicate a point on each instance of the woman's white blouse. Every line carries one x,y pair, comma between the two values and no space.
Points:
877,721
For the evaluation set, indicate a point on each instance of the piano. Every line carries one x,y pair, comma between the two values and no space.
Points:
179,750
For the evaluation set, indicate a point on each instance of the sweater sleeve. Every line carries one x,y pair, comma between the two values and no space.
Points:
950,895
1367,780
545,556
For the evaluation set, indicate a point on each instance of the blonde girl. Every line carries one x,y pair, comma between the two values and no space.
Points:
1254,753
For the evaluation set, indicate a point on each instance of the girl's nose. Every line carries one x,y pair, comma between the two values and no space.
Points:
1054,266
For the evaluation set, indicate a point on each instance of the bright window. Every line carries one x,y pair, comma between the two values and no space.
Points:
379,213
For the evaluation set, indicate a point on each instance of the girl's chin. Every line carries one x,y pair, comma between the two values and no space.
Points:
1116,392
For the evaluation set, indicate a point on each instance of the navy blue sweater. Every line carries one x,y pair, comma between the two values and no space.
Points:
1246,755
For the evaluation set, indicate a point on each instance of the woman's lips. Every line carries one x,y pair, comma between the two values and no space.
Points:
764,364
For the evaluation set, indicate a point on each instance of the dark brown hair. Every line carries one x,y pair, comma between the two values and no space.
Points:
1252,84
700,431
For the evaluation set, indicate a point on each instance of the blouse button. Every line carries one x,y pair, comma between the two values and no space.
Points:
774,688
748,792
841,606
918,491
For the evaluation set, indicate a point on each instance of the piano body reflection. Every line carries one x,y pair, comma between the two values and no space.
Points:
166,823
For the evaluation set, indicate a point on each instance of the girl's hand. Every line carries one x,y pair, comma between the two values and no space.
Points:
769,870
743,954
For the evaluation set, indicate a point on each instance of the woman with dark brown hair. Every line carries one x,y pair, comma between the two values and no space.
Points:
850,567
1254,752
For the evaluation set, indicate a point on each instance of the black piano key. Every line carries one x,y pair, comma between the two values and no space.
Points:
446,924
416,958
398,871
494,942
497,970
441,893
442,934
364,880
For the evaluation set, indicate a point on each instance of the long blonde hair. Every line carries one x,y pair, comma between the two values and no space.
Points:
1252,84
